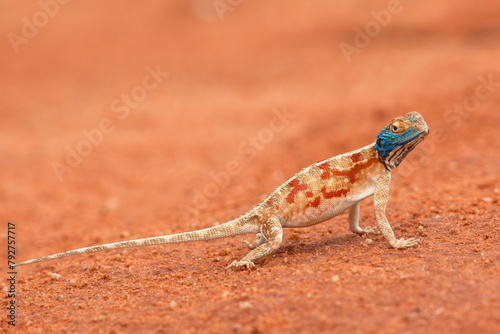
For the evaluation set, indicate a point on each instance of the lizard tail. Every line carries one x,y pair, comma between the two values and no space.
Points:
231,228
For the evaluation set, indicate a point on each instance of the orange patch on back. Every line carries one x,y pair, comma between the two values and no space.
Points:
356,157
358,168
326,167
314,203
351,173
334,193
296,187
309,194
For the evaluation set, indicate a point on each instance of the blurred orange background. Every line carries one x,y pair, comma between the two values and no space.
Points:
117,117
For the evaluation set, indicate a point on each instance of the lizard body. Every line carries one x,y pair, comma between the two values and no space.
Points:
315,194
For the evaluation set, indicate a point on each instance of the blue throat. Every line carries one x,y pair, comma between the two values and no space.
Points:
387,141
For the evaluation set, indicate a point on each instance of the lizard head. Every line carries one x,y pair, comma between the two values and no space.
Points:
400,137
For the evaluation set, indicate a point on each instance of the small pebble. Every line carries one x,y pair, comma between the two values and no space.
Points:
85,268
173,305
438,311
368,241
223,252
72,281
487,199
335,278
55,277
59,298
245,305
411,316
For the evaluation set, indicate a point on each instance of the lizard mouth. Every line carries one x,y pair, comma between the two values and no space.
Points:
421,136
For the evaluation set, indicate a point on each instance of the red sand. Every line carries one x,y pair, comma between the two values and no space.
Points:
151,144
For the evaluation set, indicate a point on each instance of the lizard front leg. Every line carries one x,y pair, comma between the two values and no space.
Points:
380,202
354,222
272,233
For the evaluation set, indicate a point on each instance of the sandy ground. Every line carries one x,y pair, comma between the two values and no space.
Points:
122,121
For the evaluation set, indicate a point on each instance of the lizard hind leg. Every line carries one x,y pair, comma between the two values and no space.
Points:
354,222
268,240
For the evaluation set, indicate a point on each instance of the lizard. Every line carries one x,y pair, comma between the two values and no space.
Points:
315,194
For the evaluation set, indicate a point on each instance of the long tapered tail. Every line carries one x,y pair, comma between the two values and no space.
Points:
231,228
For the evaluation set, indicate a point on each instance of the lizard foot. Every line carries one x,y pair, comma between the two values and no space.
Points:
237,265
371,230
402,243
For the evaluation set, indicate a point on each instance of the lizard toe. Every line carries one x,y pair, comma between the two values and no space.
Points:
371,230
238,265
402,243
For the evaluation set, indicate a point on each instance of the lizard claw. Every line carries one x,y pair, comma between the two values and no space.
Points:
402,243
240,264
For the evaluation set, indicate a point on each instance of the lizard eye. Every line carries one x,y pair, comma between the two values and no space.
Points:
397,127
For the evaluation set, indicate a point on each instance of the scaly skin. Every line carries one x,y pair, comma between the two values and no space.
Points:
315,194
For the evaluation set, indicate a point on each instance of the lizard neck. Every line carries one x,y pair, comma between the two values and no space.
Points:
367,156
387,164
